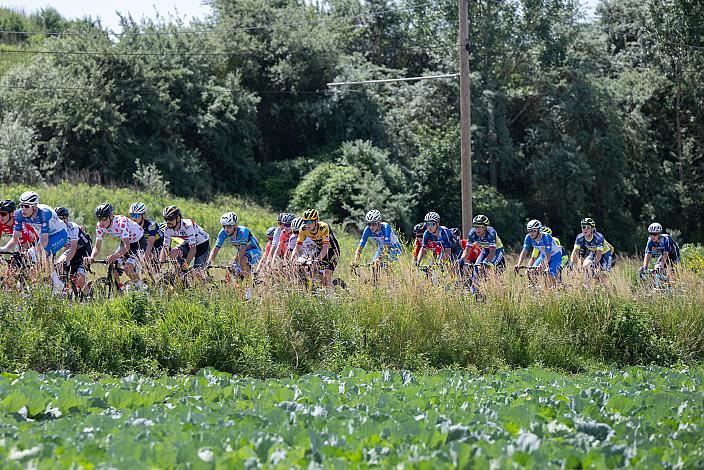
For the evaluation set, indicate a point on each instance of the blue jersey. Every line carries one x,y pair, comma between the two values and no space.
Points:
385,235
596,243
664,244
442,237
44,221
488,240
545,244
241,237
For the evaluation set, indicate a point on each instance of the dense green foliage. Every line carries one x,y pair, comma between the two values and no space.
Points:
636,417
571,116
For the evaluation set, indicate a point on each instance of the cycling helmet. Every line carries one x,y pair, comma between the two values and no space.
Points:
456,232
228,218
481,219
310,214
372,216
29,197
547,230
8,205
655,228
61,212
270,232
432,217
103,210
588,222
171,212
534,225
280,217
138,208
287,218
296,224
419,229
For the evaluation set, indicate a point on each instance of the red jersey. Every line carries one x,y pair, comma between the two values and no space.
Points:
29,235
283,243
474,251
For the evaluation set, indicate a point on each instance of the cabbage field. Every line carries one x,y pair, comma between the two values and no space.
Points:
638,416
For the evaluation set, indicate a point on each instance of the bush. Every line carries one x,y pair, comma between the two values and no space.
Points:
18,152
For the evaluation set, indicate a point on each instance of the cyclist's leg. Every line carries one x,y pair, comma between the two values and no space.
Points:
538,260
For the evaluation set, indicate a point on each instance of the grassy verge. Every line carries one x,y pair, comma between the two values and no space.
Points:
404,322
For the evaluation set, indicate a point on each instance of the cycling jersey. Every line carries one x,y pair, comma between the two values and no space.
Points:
385,235
189,231
664,244
308,247
44,221
441,237
283,243
29,235
474,251
242,236
320,237
488,240
122,228
151,229
536,253
546,244
75,232
596,243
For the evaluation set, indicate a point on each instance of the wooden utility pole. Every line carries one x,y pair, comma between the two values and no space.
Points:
465,118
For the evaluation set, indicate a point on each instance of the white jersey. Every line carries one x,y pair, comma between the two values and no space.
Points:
122,228
72,228
189,231
275,240
308,248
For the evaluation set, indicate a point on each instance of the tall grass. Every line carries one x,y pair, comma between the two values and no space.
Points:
402,322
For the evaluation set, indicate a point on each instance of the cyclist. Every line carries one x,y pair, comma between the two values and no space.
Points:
79,246
325,241
436,238
418,232
269,237
196,241
128,232
7,225
537,257
153,238
248,251
599,251
485,235
383,234
280,238
663,246
309,248
456,248
546,245
52,231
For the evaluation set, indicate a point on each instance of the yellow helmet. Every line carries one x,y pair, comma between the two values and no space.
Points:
546,229
310,214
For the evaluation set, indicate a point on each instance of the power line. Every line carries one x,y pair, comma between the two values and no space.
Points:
210,31
85,88
392,80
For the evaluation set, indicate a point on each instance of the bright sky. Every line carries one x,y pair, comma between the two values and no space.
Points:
106,9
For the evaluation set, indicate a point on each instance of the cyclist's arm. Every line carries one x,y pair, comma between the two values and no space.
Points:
324,250
522,257
358,253
421,255
492,252
13,242
213,254
597,256
121,251
240,255
575,253
646,260
96,250
150,245
71,252
446,253
191,254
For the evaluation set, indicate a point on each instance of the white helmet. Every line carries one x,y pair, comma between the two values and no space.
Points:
534,225
138,208
372,216
655,228
432,217
29,197
228,218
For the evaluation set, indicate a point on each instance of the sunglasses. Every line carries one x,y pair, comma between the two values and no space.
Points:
310,221
135,216
26,206
586,226
286,225
170,219
227,226
102,219
62,218
654,233
373,223
479,225
430,224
